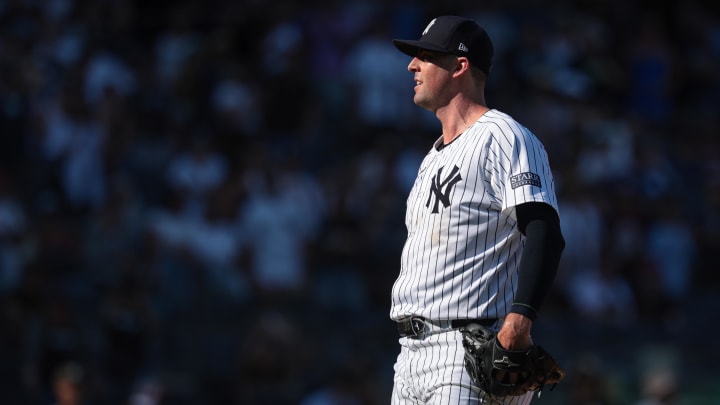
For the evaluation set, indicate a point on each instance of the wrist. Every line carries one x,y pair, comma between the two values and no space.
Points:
524,309
515,332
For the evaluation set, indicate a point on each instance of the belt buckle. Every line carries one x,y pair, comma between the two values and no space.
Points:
417,325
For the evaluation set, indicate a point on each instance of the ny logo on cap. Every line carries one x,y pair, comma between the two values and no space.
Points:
428,26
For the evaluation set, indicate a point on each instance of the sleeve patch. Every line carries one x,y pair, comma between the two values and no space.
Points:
525,179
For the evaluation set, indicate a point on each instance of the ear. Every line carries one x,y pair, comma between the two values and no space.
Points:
462,64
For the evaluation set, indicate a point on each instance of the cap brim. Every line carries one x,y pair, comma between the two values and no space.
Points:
411,48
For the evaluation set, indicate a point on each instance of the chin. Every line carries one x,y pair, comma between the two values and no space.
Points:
422,103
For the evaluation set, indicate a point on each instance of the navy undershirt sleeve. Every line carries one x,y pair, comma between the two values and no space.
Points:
544,243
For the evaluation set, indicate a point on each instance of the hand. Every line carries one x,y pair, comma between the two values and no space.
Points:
525,367
514,335
515,332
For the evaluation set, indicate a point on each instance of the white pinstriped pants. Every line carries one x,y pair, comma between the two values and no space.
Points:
430,371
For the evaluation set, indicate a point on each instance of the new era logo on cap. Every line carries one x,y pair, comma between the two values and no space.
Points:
455,35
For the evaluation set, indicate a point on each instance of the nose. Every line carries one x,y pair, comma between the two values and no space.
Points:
412,66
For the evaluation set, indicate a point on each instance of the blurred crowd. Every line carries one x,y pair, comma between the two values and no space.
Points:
203,202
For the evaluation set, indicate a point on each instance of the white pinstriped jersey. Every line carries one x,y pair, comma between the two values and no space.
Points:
463,248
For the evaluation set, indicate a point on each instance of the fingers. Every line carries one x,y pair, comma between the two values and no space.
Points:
506,377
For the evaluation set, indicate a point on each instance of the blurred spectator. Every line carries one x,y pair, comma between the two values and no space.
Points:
13,235
52,340
107,71
376,74
659,382
69,385
603,296
281,217
651,70
176,42
198,168
608,152
115,229
73,141
217,244
659,387
671,248
584,229
148,391
196,171
331,28
284,43
588,277
589,382
658,176
237,103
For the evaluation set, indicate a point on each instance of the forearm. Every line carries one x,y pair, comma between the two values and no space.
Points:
539,261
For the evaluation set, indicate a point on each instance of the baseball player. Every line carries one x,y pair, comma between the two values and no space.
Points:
484,239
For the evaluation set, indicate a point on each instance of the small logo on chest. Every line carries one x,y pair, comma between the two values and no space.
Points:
440,188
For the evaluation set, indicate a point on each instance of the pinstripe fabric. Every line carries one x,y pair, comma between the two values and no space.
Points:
461,261
430,371
462,251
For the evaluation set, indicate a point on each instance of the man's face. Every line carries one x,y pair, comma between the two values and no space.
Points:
432,72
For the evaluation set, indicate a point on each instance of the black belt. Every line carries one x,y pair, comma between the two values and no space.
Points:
417,325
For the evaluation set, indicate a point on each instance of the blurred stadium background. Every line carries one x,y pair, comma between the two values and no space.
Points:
202,202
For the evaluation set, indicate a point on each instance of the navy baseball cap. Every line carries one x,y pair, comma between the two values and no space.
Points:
455,35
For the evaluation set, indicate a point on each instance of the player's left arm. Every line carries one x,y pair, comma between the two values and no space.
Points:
544,243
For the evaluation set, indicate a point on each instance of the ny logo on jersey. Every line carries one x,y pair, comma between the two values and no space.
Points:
441,188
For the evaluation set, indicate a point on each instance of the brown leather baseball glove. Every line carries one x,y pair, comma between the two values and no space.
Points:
484,358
